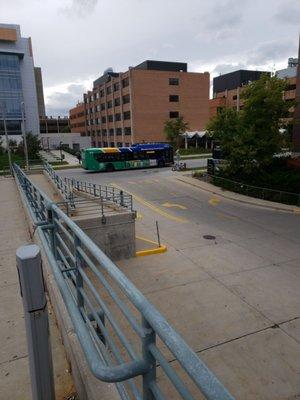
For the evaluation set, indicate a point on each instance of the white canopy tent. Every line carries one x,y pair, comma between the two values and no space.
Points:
193,135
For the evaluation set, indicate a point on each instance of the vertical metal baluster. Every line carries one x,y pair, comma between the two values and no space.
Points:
94,188
78,264
149,376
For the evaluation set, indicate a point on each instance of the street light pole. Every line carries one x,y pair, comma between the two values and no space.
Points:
6,137
24,135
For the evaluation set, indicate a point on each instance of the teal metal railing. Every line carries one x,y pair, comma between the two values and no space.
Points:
69,187
123,336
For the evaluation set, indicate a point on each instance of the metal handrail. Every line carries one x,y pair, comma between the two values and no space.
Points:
79,268
68,186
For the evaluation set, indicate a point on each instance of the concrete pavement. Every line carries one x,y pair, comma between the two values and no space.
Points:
14,368
229,282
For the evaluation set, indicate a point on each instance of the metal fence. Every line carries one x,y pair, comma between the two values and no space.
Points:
255,191
123,336
68,187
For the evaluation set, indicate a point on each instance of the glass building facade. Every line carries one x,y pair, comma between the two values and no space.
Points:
10,93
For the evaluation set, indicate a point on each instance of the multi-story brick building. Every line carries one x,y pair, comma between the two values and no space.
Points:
130,107
78,119
227,89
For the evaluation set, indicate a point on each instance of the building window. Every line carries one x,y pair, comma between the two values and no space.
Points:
126,115
98,107
125,82
234,97
291,87
103,131
118,117
126,99
174,98
174,114
109,104
103,120
110,118
108,90
174,81
101,93
119,144
117,101
119,131
127,130
102,106
111,132
116,86
97,95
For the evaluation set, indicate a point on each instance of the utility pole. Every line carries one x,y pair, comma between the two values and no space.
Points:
6,137
24,135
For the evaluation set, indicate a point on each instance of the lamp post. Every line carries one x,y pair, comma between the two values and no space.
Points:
24,135
61,155
6,137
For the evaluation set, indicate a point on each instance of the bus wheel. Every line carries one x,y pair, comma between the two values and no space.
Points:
110,168
161,164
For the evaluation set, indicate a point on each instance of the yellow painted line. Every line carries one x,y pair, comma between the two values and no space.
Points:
214,201
139,215
153,207
169,205
146,239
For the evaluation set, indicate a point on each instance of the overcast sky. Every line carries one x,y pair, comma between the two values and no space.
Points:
75,40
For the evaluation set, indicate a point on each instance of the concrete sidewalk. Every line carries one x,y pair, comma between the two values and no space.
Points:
14,364
208,187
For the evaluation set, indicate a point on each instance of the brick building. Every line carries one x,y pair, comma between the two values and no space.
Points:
130,107
77,119
227,89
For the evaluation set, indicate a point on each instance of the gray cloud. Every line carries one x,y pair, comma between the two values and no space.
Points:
271,52
221,69
289,13
208,34
59,103
79,8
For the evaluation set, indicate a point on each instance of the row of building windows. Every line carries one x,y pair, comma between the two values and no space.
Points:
117,117
110,118
109,104
116,86
110,132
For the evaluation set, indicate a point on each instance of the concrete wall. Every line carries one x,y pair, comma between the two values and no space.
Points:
53,139
115,234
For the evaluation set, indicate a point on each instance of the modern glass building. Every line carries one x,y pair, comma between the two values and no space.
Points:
17,82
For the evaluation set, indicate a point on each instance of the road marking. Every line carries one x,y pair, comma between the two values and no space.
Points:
131,183
152,206
139,215
214,201
169,205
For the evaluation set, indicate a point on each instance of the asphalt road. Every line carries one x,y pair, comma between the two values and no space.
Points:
229,280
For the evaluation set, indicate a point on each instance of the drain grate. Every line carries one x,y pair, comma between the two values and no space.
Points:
209,237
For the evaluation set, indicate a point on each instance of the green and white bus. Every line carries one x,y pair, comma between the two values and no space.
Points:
137,156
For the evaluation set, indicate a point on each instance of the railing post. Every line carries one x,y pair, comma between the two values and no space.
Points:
94,188
51,221
32,288
149,376
79,280
121,198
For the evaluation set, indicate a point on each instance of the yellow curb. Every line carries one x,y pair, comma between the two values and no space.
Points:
157,250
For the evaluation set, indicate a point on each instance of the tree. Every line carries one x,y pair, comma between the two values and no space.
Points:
251,137
66,129
33,146
173,130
